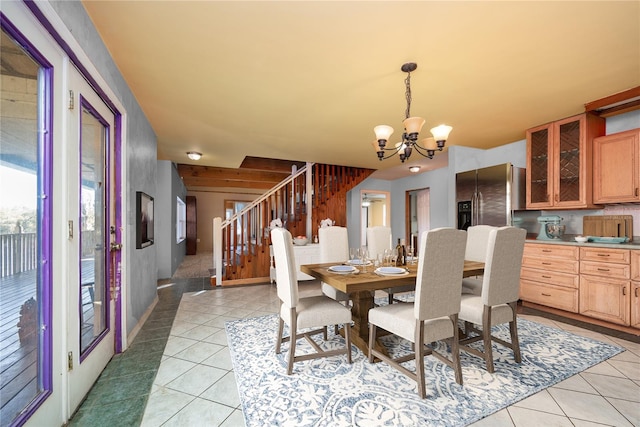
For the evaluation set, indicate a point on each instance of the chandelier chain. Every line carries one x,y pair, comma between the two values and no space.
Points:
407,94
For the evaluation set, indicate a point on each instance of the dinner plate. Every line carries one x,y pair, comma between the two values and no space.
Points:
342,269
390,270
358,262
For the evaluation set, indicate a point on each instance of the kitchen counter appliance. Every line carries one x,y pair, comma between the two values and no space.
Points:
489,195
550,227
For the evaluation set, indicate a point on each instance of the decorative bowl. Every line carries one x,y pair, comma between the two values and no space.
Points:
300,240
581,239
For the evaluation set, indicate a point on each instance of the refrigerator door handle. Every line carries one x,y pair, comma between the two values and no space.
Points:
474,210
479,208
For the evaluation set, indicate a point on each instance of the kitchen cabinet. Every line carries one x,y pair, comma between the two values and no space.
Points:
559,163
605,284
616,167
635,288
549,276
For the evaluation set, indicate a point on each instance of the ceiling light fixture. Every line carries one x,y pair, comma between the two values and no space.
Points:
194,155
412,127
414,169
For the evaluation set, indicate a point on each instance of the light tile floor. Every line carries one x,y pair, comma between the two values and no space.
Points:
195,383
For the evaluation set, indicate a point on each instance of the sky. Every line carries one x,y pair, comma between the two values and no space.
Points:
17,188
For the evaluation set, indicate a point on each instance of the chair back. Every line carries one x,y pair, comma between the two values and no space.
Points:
477,242
286,275
334,244
378,239
501,283
440,268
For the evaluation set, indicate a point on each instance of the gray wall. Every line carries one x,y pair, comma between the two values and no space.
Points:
169,253
140,155
441,183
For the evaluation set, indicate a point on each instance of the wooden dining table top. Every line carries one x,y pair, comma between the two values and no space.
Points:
370,281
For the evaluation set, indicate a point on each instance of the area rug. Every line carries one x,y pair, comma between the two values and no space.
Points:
331,392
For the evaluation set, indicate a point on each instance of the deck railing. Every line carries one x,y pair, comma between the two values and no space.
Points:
18,253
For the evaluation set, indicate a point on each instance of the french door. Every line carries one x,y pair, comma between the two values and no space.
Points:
91,218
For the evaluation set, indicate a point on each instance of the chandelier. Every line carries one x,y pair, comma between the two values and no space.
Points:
412,127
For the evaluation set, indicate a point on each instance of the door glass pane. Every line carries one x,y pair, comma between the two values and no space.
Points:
93,293
539,166
21,302
569,161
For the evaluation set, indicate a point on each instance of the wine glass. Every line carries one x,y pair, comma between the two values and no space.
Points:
410,254
364,258
353,253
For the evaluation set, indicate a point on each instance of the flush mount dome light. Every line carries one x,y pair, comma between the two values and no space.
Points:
414,169
194,155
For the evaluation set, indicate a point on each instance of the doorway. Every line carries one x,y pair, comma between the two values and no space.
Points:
417,218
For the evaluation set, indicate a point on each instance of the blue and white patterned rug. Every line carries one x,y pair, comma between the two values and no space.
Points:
330,392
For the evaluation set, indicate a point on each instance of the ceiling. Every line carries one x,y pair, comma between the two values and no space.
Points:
308,81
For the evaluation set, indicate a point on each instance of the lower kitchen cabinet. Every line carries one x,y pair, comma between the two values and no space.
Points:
591,282
635,289
605,284
549,276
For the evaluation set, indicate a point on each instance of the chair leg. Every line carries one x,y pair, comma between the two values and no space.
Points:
347,338
372,340
279,338
292,341
455,350
486,338
419,355
513,328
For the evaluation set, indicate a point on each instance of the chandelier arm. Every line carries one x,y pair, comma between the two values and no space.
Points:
395,151
423,151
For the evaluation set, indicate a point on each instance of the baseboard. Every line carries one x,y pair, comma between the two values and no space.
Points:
132,335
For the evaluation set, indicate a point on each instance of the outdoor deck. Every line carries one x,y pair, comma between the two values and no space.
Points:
19,359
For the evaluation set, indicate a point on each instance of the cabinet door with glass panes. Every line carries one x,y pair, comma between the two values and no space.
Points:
559,163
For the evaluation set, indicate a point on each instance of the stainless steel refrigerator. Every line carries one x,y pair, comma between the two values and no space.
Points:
489,195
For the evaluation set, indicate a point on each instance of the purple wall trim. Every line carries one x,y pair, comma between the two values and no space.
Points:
33,7
85,104
45,214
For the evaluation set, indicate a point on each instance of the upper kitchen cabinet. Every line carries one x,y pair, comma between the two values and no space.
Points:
616,167
559,163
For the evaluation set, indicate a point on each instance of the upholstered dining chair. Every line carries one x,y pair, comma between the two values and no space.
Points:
379,240
334,247
434,314
476,250
499,295
301,314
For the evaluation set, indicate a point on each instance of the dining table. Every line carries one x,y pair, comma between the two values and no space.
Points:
361,285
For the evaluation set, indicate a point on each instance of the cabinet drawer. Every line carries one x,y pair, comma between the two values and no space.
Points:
551,264
549,295
605,299
635,265
614,271
620,256
550,277
555,251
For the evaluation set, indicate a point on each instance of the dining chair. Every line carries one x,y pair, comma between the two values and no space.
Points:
303,314
434,314
499,295
334,247
379,240
476,250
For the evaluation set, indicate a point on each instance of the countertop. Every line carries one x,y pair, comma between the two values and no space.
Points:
568,239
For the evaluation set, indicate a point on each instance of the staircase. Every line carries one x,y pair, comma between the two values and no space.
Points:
309,195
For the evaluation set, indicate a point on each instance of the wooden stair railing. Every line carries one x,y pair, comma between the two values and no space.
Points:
244,238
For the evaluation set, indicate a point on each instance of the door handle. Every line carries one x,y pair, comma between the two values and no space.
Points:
115,247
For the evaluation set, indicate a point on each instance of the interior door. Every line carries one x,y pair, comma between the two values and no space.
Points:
91,214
